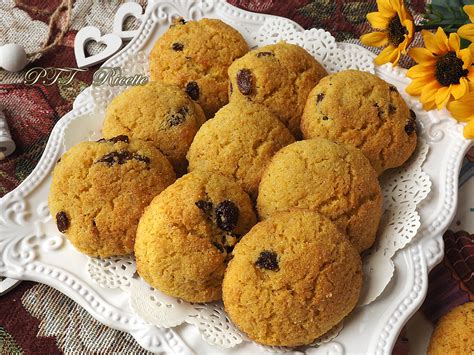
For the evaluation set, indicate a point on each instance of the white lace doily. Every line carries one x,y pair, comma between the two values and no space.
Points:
403,190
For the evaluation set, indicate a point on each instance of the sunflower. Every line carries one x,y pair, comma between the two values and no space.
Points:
463,110
467,31
396,30
443,70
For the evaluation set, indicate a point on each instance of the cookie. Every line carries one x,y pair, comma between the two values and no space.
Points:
360,109
293,278
454,332
100,189
158,113
333,179
186,236
278,76
195,55
239,141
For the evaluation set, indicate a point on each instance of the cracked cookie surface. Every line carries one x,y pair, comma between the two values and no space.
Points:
239,141
278,76
360,109
100,189
293,277
158,113
454,332
186,236
195,56
333,179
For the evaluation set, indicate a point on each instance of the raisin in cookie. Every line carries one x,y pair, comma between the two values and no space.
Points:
195,56
159,113
335,180
239,141
360,109
100,189
186,236
293,278
279,76
454,332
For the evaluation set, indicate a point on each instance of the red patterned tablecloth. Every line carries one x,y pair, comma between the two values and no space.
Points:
35,318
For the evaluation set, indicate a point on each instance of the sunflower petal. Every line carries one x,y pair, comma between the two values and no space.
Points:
422,55
453,42
389,54
385,8
431,43
442,96
377,20
469,10
428,95
463,110
466,56
417,85
461,89
467,32
419,70
469,130
374,39
442,40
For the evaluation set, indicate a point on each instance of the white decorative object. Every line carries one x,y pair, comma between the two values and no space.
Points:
112,42
12,57
7,145
126,10
31,248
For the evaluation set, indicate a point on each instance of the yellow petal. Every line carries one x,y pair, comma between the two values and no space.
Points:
387,55
442,40
428,95
375,39
422,55
453,42
467,32
417,85
385,8
442,96
460,90
463,110
419,70
469,10
431,43
410,27
378,21
469,130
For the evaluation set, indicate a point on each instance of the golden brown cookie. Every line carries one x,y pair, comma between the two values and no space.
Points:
100,189
333,179
239,141
158,113
360,109
454,333
278,76
195,56
186,235
293,278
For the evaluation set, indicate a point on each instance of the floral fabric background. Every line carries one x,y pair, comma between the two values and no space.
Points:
35,318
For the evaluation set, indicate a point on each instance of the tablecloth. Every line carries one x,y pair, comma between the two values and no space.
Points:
35,318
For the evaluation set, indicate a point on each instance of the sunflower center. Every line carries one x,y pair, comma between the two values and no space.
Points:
449,69
396,31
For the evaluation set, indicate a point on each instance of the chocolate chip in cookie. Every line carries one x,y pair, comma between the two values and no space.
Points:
62,221
227,215
268,260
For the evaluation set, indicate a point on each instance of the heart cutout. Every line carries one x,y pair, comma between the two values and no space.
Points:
90,33
124,11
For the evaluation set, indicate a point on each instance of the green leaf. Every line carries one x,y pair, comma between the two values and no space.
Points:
447,14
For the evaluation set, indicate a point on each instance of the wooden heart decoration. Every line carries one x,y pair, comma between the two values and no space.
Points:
90,33
124,11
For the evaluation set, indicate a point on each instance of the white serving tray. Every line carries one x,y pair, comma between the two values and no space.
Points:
31,248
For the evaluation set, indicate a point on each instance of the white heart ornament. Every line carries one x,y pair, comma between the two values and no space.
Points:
126,10
90,33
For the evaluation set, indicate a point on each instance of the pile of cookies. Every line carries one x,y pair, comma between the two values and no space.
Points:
278,191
